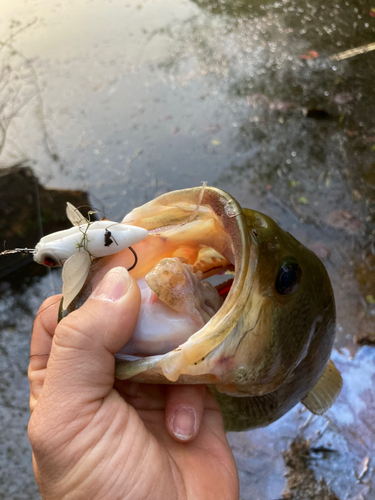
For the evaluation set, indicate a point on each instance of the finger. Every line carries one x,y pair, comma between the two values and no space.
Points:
81,365
184,410
41,341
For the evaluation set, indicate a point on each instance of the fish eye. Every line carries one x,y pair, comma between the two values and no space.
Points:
49,261
288,278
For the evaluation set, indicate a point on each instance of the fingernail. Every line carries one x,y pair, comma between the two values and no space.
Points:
183,424
113,285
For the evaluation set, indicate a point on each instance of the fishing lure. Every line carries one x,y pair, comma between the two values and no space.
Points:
75,248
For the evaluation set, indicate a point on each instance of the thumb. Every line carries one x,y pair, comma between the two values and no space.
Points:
81,366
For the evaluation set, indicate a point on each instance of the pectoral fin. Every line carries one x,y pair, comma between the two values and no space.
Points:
325,391
74,275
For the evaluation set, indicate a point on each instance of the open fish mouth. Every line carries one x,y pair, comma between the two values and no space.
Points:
194,234
265,334
206,232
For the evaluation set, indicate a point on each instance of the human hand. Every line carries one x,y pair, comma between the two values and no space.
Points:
96,438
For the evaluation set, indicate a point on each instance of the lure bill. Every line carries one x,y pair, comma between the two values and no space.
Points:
74,249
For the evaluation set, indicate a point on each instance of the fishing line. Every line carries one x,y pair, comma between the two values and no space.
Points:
47,307
92,211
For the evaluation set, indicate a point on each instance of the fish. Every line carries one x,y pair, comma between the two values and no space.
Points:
75,248
259,336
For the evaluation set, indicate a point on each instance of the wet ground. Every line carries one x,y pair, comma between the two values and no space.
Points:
130,100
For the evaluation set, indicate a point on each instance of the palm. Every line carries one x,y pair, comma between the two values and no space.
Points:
203,468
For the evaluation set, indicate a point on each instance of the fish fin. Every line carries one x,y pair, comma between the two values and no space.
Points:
74,275
325,391
74,215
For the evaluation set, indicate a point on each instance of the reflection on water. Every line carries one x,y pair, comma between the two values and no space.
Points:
147,97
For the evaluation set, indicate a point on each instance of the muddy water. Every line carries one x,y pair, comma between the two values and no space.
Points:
130,100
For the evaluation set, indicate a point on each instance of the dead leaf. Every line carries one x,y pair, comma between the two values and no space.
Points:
342,219
312,54
363,467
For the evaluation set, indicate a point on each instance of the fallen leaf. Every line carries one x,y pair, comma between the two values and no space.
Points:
365,334
351,132
362,468
370,299
312,54
342,219
356,195
212,128
303,200
343,98
215,142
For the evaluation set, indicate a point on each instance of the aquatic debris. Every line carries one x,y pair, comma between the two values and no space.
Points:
312,54
301,481
366,332
363,467
353,52
342,219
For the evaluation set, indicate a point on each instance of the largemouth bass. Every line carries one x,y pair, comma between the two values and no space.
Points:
261,339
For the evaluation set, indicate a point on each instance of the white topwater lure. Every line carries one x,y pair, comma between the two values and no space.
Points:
75,248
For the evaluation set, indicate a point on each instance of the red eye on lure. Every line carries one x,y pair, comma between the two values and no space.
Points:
48,261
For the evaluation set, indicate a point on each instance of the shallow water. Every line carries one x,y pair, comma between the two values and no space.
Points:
128,101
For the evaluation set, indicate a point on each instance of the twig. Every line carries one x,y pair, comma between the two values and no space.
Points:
47,140
353,52
23,28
